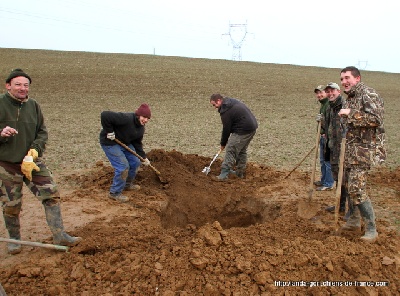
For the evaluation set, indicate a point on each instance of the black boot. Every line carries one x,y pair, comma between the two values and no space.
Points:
343,198
54,220
367,212
13,227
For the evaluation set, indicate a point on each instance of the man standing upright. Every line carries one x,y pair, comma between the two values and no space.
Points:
334,134
362,113
326,182
23,141
238,128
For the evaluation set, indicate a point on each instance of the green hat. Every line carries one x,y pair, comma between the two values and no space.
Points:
319,88
17,73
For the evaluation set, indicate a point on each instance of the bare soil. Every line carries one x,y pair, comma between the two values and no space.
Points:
193,235
196,236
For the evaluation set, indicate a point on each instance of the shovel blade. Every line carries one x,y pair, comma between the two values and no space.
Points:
206,170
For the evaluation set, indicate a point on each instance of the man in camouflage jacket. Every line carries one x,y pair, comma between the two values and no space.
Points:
362,114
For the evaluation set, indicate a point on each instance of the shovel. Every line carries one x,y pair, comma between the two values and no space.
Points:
141,159
308,209
206,170
34,244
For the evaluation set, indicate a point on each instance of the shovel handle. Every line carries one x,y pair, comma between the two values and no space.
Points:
35,244
315,160
339,181
137,155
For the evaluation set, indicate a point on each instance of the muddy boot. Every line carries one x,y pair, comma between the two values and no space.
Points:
367,212
13,227
353,223
223,176
118,197
54,220
129,185
240,173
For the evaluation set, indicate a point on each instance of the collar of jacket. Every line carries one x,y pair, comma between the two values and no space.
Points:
323,101
355,89
15,100
337,102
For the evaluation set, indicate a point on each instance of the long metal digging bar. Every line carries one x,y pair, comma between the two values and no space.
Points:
35,244
206,170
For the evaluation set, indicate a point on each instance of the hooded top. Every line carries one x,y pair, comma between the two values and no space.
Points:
236,118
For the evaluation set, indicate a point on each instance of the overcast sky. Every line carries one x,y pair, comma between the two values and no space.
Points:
331,34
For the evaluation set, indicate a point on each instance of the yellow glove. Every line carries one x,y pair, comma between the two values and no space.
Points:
32,152
28,166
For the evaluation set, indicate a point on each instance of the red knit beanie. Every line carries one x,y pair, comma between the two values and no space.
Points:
143,110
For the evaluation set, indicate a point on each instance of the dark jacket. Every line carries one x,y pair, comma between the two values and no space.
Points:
236,118
322,110
126,127
334,129
27,118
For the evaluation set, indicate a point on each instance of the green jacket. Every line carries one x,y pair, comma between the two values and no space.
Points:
27,118
322,110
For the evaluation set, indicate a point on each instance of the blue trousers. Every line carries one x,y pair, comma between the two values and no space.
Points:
326,171
125,165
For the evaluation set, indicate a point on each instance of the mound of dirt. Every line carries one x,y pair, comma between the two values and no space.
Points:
191,235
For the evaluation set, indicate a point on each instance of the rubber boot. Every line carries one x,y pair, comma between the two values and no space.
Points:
54,220
223,176
353,223
13,227
240,173
367,212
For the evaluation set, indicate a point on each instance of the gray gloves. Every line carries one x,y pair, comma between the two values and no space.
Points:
318,118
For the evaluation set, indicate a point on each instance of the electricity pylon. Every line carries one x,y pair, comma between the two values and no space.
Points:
237,33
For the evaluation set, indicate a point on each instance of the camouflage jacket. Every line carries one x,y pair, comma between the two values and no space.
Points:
334,128
365,136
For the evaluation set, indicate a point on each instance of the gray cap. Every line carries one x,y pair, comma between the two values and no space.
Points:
332,85
319,88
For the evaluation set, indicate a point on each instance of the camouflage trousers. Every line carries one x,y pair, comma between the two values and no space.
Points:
12,180
236,151
355,181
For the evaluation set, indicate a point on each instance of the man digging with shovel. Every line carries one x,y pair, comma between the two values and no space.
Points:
238,129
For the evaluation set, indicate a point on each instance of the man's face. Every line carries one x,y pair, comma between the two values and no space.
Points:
216,103
332,93
320,94
348,80
18,87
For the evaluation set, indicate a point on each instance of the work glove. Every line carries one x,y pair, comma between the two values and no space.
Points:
146,162
28,166
33,152
318,118
111,136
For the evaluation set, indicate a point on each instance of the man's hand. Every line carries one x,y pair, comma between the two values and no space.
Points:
32,152
344,112
146,162
318,118
111,136
28,166
8,132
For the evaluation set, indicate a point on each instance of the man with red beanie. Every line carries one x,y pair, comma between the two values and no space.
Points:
129,129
